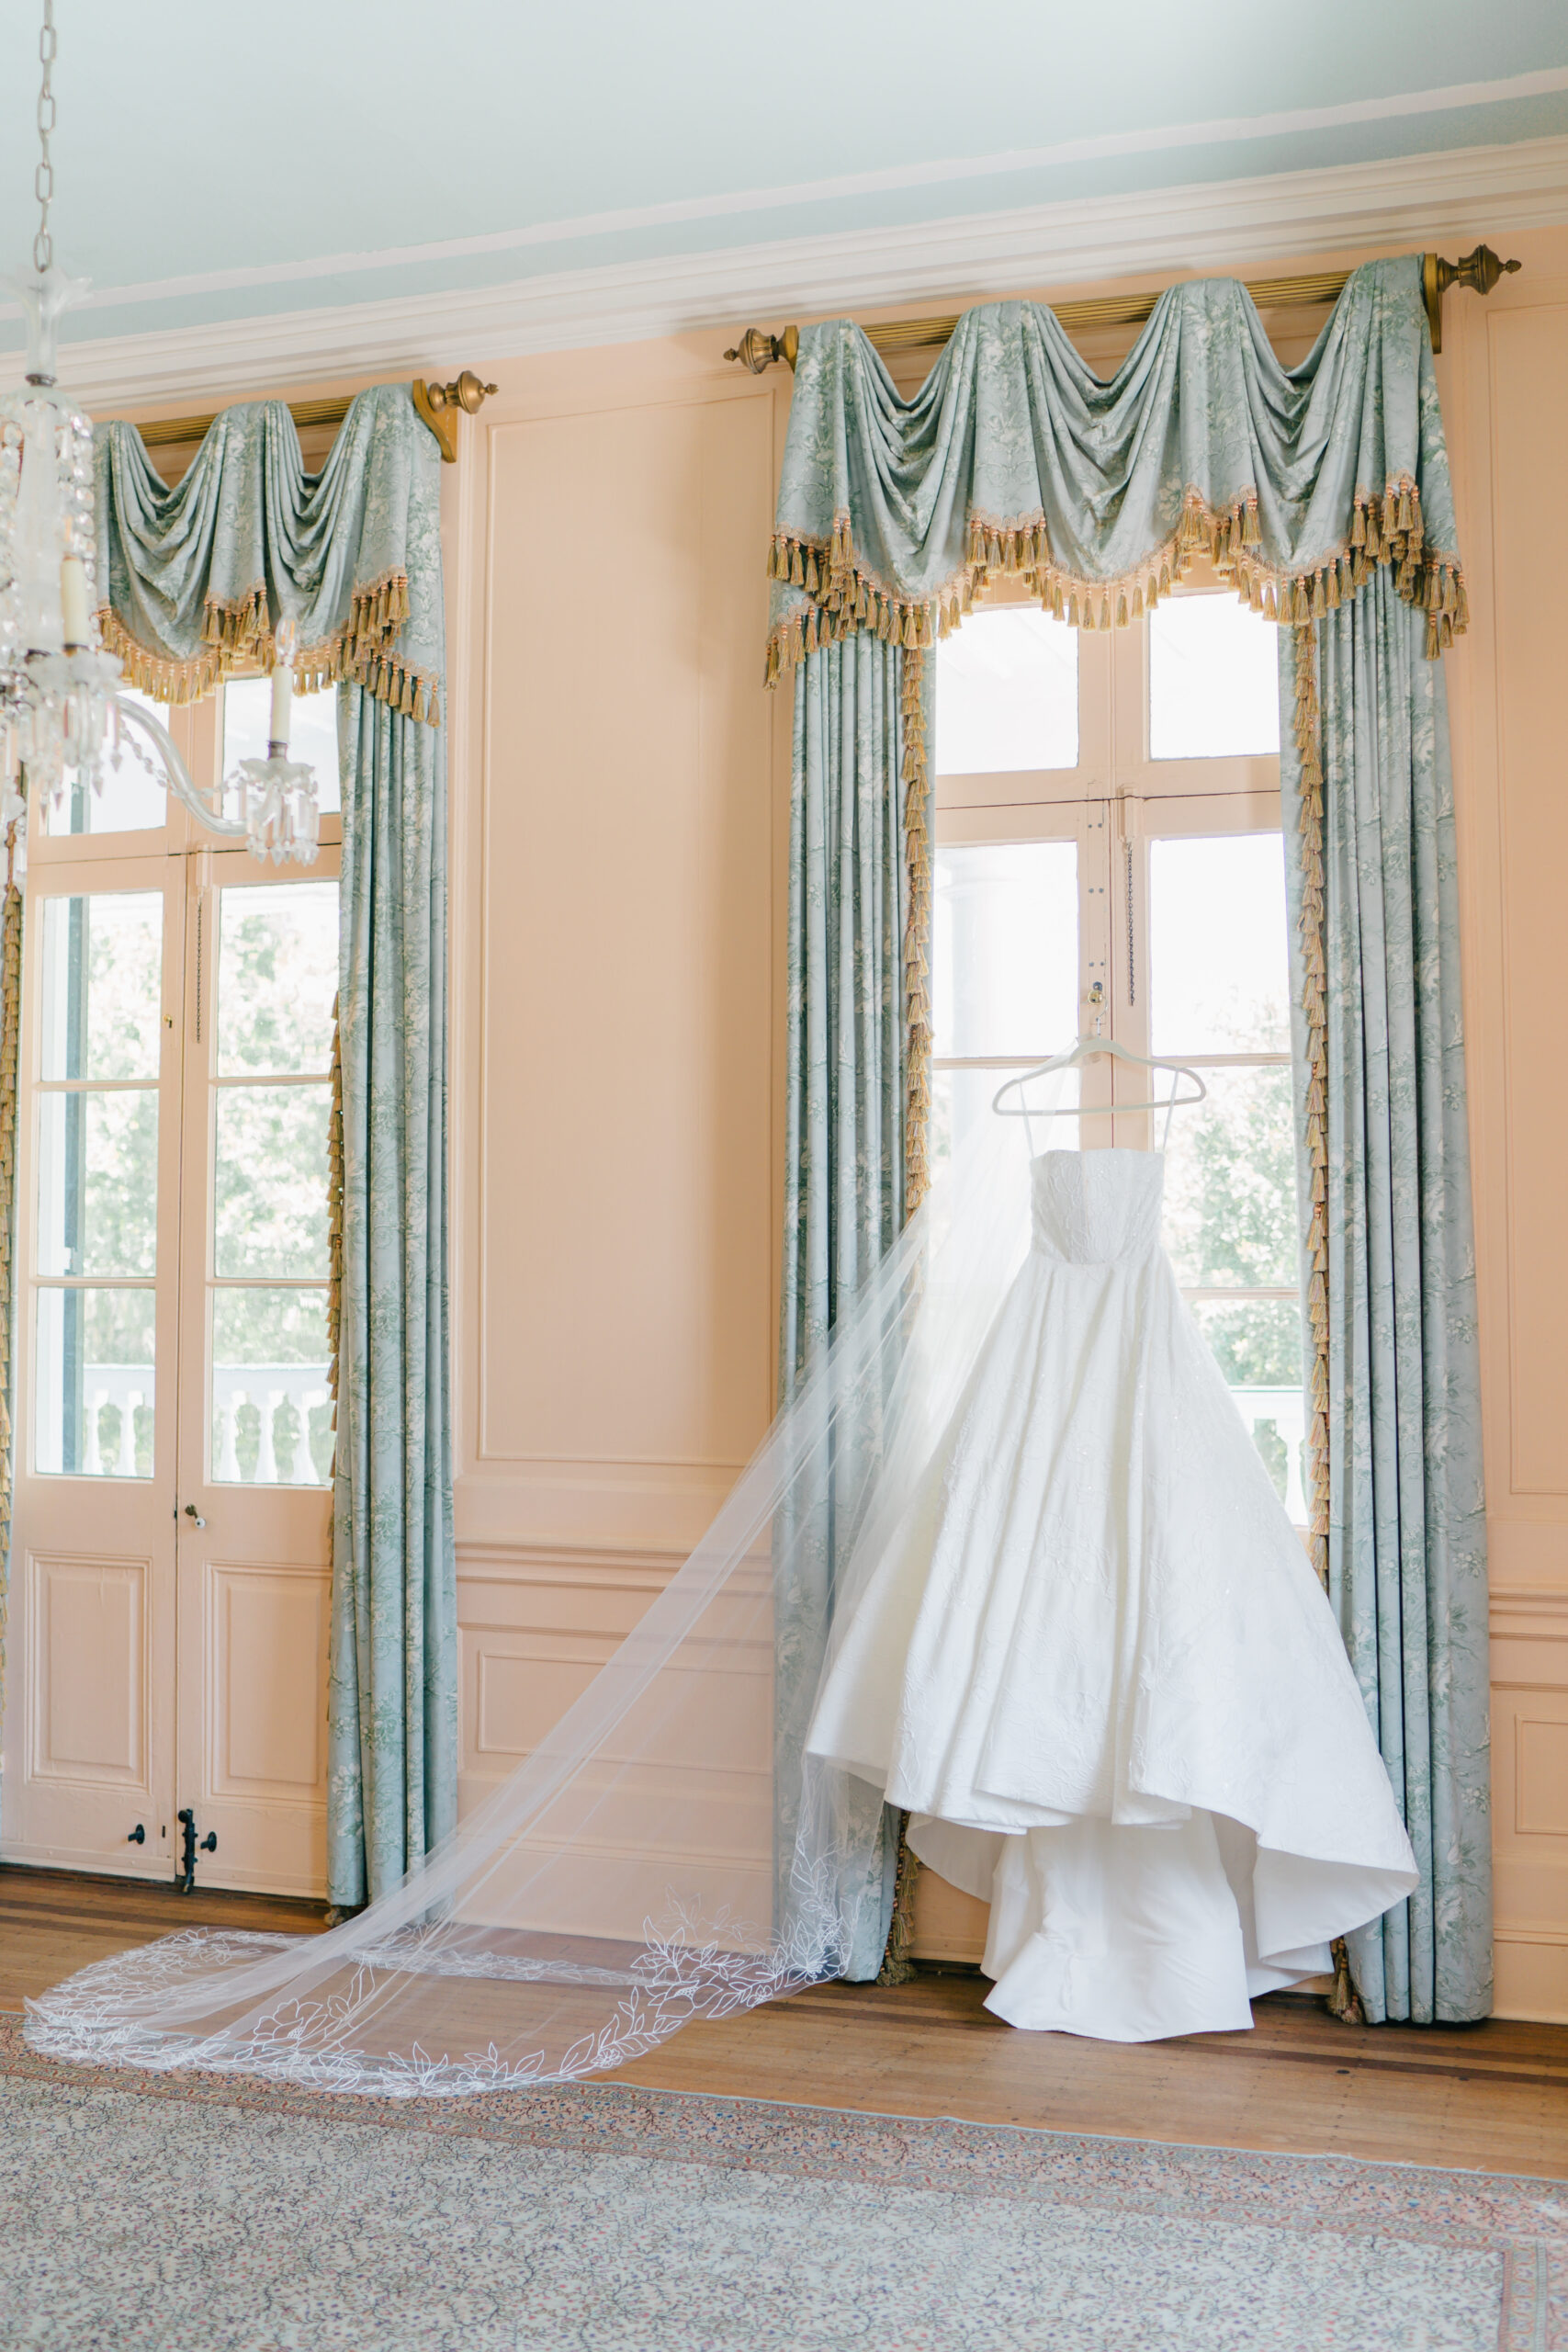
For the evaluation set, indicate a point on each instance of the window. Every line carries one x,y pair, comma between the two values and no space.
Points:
101,969
1109,847
271,1082
173,1419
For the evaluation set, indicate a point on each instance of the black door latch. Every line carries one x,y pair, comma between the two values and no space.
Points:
186,1879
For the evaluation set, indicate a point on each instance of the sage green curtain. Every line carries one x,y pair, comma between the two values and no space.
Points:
1323,492
393,1707
1407,1526
197,578
844,1097
1014,458
843,1168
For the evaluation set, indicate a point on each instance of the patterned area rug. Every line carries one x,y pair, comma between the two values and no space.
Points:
221,2216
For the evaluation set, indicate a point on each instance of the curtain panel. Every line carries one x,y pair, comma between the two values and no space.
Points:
1384,1163
856,1104
1323,494
197,580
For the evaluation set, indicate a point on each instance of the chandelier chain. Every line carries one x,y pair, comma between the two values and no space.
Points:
43,176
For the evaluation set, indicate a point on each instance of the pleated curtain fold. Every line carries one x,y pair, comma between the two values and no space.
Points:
1323,492
845,1174
1403,1505
198,577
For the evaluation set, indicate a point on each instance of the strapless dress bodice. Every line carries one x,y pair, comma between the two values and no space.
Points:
1097,1208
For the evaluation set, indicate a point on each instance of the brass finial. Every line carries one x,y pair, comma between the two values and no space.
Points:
1479,270
438,404
757,349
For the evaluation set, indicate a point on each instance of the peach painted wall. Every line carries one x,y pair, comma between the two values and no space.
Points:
620,783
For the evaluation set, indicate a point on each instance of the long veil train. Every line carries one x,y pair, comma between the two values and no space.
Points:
666,1852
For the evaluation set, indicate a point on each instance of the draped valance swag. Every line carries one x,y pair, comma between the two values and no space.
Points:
1014,460
199,578
1323,492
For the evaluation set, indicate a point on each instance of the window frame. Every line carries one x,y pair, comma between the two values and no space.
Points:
1115,804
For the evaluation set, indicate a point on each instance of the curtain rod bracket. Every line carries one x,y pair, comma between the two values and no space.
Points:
1482,270
438,405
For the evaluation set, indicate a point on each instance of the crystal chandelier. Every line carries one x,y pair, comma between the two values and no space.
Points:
59,707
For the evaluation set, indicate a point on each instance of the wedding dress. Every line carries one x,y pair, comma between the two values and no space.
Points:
1006,1553
1093,1663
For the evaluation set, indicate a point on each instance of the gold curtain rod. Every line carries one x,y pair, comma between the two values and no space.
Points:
438,404
1481,270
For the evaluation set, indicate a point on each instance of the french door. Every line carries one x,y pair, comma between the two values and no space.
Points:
171,1545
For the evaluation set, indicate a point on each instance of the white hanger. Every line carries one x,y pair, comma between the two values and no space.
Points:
1084,1049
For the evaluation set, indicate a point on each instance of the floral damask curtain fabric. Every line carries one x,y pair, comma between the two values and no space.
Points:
844,1172
1323,492
1014,458
844,1089
1406,1548
199,578
394,1694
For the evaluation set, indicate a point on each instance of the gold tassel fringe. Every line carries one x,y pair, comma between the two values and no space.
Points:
847,599
916,939
1344,2001
237,636
897,1968
1314,970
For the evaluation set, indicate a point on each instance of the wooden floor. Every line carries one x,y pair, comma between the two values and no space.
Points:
1494,2097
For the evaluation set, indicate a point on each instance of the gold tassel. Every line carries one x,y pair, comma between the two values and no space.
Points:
897,1968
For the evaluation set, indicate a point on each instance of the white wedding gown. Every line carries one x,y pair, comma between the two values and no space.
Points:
1095,1664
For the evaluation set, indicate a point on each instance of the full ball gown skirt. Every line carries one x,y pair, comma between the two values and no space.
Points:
1096,1666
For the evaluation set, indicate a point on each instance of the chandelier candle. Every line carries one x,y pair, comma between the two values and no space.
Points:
282,693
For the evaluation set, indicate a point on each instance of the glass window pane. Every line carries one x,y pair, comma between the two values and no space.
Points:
1219,967
1258,1343
1006,694
277,977
102,990
1230,1184
271,1417
270,1180
313,732
1005,948
93,1412
127,800
960,1102
1213,680
97,1189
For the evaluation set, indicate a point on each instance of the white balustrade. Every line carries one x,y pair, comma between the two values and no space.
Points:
125,1386
269,1387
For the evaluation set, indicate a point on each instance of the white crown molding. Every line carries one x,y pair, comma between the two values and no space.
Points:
898,179
1226,225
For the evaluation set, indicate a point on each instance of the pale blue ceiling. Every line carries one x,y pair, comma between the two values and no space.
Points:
198,141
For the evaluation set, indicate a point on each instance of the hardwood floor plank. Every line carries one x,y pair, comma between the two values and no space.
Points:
1494,2097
